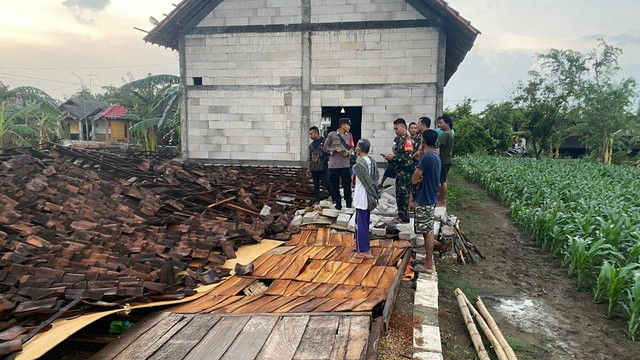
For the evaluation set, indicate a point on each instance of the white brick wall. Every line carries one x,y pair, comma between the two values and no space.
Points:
244,59
380,108
243,125
328,11
374,56
254,12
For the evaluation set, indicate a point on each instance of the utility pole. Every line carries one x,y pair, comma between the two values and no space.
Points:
84,104
91,76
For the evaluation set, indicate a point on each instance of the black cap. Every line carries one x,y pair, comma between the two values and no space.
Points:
344,121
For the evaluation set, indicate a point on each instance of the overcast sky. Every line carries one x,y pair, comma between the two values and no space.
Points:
44,41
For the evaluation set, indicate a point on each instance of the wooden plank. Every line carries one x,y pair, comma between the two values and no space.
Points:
358,275
117,346
306,289
344,255
358,337
317,341
393,291
308,238
199,305
348,240
277,303
312,251
327,272
397,253
155,337
349,305
323,290
311,271
293,287
324,252
341,339
336,240
216,342
341,291
249,342
373,276
374,338
277,287
387,277
295,268
280,250
309,305
297,301
255,306
284,339
228,301
282,265
180,345
342,273
384,257
236,305
266,266
232,286
360,292
323,236
330,305
369,304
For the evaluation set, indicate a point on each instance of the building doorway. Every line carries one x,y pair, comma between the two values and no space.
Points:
332,114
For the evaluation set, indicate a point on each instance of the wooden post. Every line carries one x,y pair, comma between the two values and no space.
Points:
107,137
487,331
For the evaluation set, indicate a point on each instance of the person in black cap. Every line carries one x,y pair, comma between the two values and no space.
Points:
339,145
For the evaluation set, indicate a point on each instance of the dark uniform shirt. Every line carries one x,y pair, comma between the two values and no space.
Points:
317,157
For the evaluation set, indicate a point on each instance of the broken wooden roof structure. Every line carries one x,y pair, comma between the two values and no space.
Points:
97,230
460,38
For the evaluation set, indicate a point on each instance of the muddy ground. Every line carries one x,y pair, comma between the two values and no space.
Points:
536,304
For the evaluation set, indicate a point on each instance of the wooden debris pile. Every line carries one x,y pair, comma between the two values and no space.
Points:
455,243
132,230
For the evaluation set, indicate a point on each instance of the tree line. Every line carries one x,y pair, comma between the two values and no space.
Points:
570,93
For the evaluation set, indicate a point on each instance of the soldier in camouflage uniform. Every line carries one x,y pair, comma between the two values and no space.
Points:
402,159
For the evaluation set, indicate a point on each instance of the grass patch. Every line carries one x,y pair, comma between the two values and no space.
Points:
449,279
458,192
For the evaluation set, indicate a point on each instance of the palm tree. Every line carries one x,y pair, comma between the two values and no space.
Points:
153,103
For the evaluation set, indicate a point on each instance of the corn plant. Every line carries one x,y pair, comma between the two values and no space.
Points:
632,307
583,212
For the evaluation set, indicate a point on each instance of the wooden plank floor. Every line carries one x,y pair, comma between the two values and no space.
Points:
232,337
316,271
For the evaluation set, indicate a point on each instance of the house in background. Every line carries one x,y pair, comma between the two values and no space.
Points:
258,73
89,120
81,115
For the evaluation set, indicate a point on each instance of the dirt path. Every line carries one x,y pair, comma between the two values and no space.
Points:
535,302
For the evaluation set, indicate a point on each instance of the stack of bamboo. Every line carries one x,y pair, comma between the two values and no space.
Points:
488,326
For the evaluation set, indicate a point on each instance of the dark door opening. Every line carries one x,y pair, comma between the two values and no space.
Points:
335,113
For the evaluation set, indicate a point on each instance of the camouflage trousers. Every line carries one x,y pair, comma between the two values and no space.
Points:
423,223
403,191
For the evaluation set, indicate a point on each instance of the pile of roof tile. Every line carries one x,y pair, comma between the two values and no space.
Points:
150,231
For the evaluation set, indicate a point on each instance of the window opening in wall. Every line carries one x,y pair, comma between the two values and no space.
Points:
197,81
334,113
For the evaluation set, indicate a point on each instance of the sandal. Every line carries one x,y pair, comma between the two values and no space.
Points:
421,269
363,255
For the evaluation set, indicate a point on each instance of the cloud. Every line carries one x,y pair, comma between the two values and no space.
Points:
78,8
93,5
630,38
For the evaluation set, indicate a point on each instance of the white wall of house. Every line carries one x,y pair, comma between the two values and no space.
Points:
250,105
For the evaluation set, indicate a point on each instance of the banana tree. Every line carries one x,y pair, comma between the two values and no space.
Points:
154,106
27,116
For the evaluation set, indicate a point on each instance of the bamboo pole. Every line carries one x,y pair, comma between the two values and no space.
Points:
471,326
495,329
487,331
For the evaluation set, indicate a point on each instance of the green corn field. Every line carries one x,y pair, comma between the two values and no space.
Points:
586,213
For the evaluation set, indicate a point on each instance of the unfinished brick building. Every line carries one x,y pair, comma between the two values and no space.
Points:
258,73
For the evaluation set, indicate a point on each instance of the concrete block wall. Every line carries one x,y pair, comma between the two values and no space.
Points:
243,125
380,107
254,12
375,56
330,11
245,58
